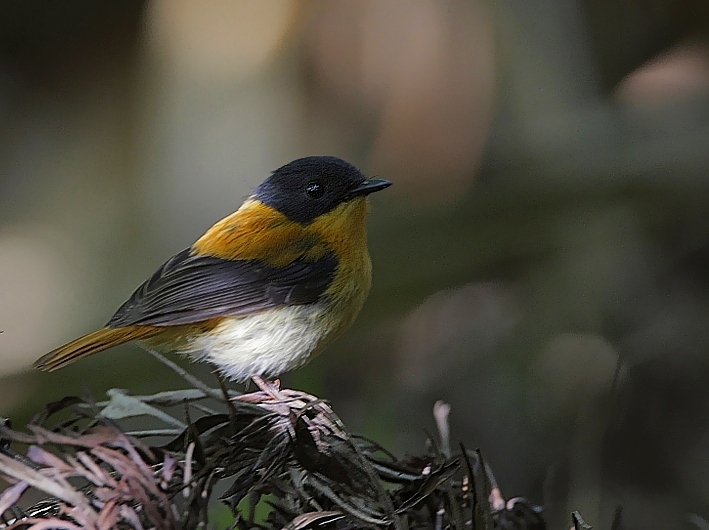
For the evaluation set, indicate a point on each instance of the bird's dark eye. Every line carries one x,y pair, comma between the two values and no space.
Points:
315,190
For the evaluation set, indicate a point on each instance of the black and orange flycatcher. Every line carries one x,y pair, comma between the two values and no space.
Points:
265,289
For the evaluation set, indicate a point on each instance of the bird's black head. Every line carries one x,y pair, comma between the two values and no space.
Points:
309,187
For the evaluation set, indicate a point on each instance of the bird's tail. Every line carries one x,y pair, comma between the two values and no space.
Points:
91,343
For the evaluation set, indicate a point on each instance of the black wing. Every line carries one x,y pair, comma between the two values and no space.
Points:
189,289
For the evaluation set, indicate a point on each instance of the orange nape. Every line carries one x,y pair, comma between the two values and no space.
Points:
258,232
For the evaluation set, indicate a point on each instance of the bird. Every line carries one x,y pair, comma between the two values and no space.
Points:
265,289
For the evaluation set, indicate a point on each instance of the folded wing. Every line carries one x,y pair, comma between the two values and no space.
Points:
192,288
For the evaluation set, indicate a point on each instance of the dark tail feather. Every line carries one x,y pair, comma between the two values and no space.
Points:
95,342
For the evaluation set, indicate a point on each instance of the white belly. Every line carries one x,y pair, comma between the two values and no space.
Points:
268,343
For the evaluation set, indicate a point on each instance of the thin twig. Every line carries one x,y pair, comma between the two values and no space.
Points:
216,394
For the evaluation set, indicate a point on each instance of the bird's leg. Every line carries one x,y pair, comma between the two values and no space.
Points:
222,384
225,390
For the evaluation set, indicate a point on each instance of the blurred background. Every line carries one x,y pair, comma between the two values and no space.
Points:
541,263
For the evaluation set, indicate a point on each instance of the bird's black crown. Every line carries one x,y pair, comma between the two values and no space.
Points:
306,188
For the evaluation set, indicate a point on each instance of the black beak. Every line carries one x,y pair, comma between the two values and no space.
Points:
369,186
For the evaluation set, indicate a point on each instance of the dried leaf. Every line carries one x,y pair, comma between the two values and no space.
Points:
123,406
11,495
12,468
307,519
